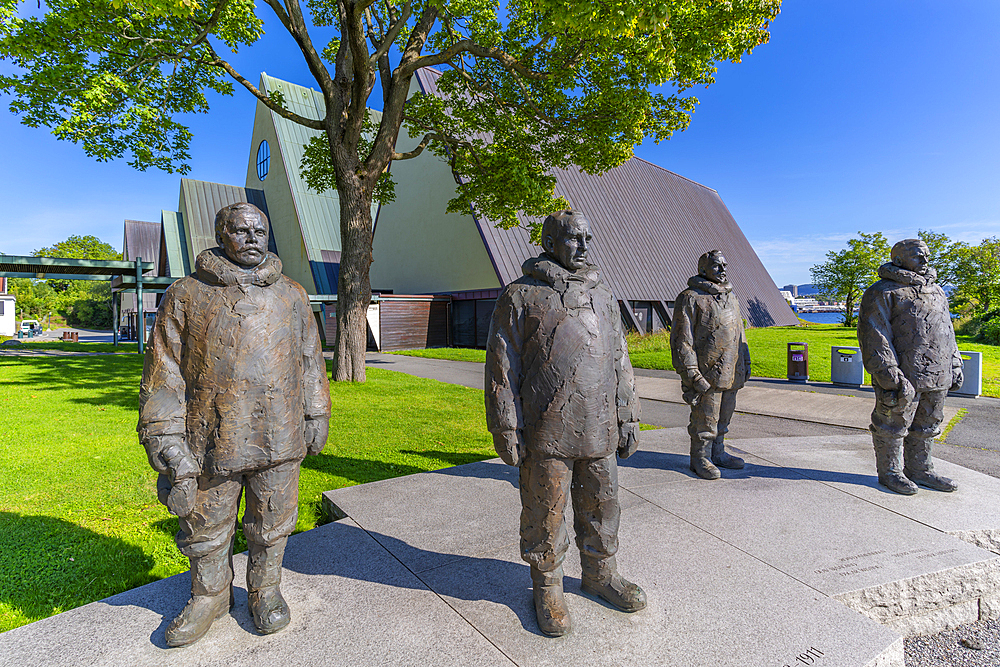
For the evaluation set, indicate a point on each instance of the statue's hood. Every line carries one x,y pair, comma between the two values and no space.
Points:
898,274
705,285
215,268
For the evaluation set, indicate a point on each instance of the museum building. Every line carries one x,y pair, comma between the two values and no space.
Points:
436,275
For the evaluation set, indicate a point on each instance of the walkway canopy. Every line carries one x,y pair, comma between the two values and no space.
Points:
129,274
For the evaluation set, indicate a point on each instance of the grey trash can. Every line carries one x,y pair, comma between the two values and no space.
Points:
846,369
972,369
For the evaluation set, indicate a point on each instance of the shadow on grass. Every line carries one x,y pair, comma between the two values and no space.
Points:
451,458
97,380
48,565
360,471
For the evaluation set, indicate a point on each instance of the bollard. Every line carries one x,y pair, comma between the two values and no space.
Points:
846,369
798,362
972,369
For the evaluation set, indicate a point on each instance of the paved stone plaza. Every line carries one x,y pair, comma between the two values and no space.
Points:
800,551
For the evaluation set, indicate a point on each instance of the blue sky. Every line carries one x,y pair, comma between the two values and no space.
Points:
873,116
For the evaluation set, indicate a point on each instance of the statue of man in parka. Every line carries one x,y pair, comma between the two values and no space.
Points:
709,350
908,345
234,395
561,403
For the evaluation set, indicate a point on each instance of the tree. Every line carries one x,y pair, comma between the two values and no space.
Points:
549,84
845,275
80,247
943,255
977,277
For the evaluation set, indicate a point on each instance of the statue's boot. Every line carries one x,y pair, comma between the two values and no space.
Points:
211,598
888,462
919,467
267,606
701,465
550,605
723,459
601,578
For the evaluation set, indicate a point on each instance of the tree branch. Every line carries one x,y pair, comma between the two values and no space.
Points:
394,30
265,100
428,138
300,32
468,46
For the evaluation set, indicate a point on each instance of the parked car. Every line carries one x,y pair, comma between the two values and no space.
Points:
31,325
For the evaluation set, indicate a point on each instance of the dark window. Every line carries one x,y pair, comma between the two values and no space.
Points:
263,159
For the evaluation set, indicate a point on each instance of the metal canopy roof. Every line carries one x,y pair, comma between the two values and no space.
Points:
19,266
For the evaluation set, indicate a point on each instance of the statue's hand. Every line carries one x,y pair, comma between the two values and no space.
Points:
316,433
628,439
178,483
957,378
701,385
509,446
156,445
180,500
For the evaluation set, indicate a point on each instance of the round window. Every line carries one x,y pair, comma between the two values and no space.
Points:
263,159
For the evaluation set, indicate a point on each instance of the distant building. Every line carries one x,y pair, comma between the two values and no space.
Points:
8,310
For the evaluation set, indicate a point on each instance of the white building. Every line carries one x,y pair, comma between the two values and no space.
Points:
8,322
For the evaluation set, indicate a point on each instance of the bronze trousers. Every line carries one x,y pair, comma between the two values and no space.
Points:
546,482
711,416
206,535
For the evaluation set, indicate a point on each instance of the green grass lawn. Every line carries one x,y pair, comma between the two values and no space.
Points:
768,351
79,520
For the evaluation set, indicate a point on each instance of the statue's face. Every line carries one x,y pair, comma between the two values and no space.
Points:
716,270
244,239
570,245
914,258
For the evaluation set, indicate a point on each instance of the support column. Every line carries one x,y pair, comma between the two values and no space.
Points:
114,315
140,335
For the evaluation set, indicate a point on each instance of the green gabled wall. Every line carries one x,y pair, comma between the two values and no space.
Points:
296,210
419,248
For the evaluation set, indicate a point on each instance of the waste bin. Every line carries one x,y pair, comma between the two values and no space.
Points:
846,369
798,362
972,370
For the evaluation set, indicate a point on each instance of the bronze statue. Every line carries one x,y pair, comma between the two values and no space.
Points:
908,345
560,403
709,350
234,395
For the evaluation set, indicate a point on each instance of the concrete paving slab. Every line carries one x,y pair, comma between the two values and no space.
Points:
709,604
352,604
433,518
847,463
901,571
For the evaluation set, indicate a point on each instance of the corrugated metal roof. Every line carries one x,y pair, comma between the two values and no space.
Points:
175,244
142,239
318,213
201,200
650,225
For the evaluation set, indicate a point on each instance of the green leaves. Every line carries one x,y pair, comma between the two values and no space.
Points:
115,78
848,273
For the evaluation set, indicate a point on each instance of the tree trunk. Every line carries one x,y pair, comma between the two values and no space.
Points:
353,288
849,311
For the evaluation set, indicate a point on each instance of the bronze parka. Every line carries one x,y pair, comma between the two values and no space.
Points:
707,338
557,366
905,322
212,374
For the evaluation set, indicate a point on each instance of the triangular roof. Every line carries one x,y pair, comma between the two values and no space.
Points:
650,225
